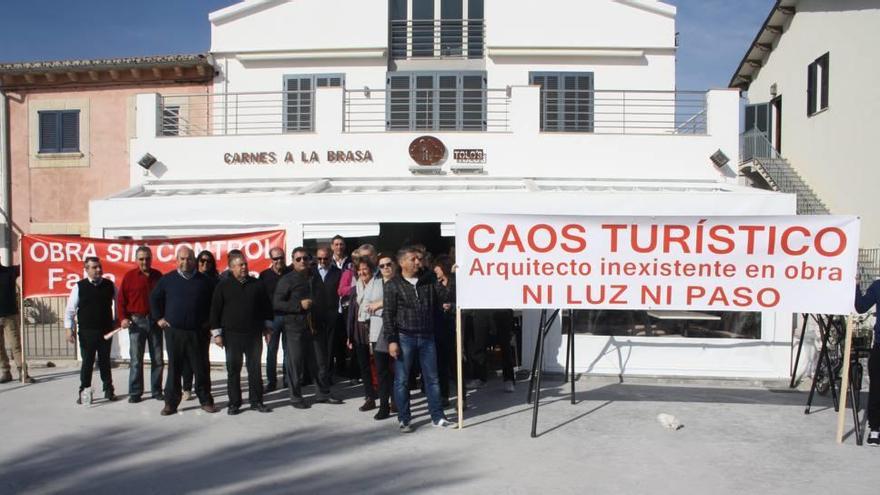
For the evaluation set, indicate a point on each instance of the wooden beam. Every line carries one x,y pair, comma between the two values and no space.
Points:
136,73
765,46
8,79
787,10
50,76
200,69
72,76
94,76
157,73
754,63
775,29
114,74
29,78
178,71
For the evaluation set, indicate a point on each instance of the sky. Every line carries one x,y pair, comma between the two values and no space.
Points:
713,34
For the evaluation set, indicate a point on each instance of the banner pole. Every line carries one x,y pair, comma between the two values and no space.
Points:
844,379
21,328
459,368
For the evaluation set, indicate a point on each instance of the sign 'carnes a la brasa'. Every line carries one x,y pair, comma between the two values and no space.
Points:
794,264
52,265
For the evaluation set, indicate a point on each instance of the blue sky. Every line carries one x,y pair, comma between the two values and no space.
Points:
713,33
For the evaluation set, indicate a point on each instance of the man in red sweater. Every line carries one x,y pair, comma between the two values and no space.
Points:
133,308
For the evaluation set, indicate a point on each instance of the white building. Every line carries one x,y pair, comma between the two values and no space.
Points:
557,107
810,77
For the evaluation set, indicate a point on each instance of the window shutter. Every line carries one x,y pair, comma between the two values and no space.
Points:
825,69
49,132
70,131
399,102
811,89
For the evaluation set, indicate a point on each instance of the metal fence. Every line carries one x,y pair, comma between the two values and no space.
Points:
44,334
230,114
623,111
454,109
429,38
754,144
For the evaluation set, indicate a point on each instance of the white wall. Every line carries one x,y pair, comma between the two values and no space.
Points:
834,151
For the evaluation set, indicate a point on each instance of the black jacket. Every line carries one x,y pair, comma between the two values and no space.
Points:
289,294
328,288
409,309
240,307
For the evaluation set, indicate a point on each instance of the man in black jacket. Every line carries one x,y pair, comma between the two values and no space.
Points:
240,313
270,277
90,309
327,284
180,304
297,299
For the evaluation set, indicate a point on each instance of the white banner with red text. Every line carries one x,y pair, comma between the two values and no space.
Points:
53,264
803,264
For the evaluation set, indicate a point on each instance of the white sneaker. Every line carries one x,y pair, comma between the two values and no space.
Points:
509,387
187,395
475,383
874,438
442,423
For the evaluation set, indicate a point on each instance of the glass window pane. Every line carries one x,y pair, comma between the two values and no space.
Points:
709,324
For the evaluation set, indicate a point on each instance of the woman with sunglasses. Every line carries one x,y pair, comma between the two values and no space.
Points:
207,265
373,302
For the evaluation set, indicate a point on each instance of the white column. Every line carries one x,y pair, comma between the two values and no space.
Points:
722,123
147,111
329,111
525,109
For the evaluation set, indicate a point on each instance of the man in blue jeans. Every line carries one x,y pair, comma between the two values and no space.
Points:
270,277
410,306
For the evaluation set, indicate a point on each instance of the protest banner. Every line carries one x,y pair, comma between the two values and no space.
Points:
52,265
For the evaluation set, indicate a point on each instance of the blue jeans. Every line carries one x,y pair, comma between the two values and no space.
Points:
142,334
425,348
272,353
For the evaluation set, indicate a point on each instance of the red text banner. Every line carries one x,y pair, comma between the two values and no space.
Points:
51,265
804,264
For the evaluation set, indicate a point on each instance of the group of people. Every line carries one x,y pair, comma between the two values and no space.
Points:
392,315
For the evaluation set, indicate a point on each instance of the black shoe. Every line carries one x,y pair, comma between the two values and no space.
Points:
329,400
369,405
6,377
109,395
270,388
134,399
874,438
233,410
168,411
263,408
383,413
300,405
159,396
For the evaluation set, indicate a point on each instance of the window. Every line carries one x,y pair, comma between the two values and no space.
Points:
566,101
299,97
817,85
59,131
709,325
454,101
171,120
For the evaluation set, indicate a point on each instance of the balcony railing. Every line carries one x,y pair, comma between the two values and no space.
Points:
435,109
479,110
223,114
446,38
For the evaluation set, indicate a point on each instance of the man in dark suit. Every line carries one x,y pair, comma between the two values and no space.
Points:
327,284
300,303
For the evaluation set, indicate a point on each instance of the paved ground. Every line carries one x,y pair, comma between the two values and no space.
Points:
735,440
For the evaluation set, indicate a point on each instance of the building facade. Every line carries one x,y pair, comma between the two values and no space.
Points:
382,120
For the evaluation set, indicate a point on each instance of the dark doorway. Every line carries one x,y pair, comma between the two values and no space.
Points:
393,236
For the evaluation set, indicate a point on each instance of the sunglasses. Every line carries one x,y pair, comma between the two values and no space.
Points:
279,258
204,260
302,258
385,265
322,258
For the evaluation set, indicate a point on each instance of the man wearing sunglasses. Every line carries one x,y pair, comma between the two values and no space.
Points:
133,307
327,283
270,277
295,298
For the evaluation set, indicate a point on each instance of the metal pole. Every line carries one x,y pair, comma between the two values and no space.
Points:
845,383
571,339
538,376
567,352
459,368
21,335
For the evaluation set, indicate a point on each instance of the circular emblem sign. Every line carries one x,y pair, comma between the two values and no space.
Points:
427,150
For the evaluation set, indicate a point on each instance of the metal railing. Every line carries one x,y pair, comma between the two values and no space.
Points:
754,144
224,114
430,38
623,111
479,110
44,334
869,265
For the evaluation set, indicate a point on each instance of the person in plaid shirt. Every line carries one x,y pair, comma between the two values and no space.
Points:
411,303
